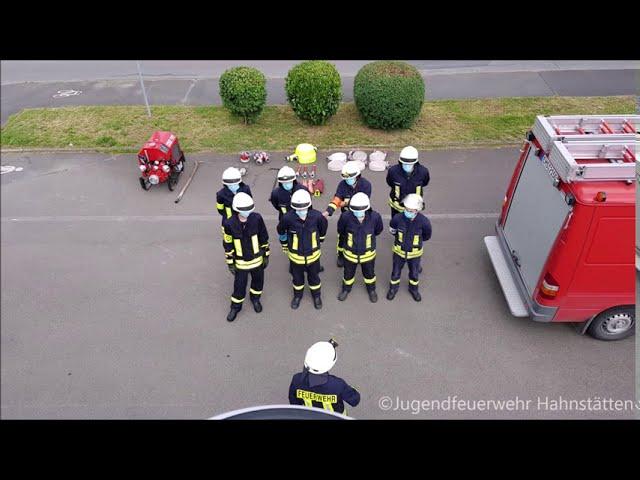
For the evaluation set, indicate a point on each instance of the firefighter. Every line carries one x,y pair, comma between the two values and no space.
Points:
246,247
406,177
352,183
287,186
232,180
301,232
410,229
281,195
357,229
315,387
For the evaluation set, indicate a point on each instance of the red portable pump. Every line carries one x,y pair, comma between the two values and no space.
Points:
161,160
564,249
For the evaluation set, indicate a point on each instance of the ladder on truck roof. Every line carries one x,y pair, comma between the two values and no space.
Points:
592,161
548,129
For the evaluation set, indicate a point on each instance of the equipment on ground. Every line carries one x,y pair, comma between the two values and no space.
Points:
161,160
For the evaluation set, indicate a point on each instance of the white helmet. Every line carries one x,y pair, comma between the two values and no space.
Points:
286,174
242,202
301,199
413,201
408,155
360,201
320,358
350,169
231,176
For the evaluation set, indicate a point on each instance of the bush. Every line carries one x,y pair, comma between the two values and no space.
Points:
314,91
389,95
244,92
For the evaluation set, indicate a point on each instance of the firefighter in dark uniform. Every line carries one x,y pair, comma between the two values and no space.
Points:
358,228
315,387
287,186
410,229
305,229
246,248
407,177
281,195
232,180
351,184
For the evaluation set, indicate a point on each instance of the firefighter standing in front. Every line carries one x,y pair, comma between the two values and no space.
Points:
246,247
301,232
407,177
410,228
315,387
358,228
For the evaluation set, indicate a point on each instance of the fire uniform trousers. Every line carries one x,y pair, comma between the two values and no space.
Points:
358,243
344,192
402,184
281,198
224,199
322,391
246,244
301,241
407,246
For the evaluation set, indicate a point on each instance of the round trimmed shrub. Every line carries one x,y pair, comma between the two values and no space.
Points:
314,91
244,92
389,94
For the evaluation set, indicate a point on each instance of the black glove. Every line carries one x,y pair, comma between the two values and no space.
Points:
232,268
265,262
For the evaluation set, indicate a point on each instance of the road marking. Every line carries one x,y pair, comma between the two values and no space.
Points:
9,168
67,93
203,218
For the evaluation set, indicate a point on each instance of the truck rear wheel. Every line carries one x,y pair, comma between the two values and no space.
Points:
614,324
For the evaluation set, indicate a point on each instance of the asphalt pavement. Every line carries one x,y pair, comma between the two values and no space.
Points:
114,302
57,84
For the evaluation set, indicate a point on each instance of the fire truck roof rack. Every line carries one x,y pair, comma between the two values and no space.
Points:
548,129
591,160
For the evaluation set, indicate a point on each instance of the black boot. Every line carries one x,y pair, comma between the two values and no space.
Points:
342,296
392,292
232,315
340,261
295,303
416,295
373,296
321,269
257,306
317,302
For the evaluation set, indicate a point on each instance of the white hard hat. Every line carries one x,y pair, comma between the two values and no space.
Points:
408,155
231,176
320,358
301,199
286,174
350,169
242,201
413,201
360,201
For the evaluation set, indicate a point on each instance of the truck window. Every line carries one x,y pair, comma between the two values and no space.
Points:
613,242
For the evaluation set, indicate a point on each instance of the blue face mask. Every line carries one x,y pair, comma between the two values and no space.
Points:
245,214
301,213
359,213
350,181
407,167
287,185
410,215
234,188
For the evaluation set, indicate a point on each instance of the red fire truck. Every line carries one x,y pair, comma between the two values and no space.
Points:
565,239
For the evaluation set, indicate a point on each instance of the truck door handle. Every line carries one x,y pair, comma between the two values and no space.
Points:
515,258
